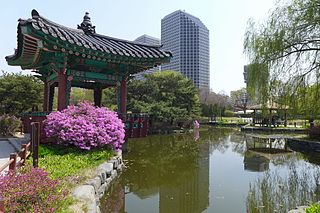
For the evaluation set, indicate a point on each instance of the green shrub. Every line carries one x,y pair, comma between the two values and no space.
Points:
314,208
9,125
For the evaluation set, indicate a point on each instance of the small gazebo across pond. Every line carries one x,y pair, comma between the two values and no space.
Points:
269,119
64,57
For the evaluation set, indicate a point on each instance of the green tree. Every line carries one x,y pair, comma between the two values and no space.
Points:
109,98
19,93
213,104
80,94
166,95
287,43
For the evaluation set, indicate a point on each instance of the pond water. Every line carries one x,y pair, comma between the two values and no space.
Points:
217,170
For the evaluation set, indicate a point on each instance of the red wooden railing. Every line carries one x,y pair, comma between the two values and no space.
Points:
13,163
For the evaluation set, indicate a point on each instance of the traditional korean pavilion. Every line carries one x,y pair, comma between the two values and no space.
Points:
64,57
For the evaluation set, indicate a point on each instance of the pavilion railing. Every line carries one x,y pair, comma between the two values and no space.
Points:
136,124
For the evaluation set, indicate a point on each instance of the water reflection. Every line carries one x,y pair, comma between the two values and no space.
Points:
263,149
176,173
309,150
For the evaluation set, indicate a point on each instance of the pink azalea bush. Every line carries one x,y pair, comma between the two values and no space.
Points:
30,191
85,126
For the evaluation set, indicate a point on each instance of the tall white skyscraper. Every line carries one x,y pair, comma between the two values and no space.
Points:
188,40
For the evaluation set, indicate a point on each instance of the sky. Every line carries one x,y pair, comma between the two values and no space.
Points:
129,19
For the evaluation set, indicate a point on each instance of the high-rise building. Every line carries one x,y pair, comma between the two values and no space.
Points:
188,40
146,39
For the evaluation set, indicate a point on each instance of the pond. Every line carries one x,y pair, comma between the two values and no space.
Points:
219,170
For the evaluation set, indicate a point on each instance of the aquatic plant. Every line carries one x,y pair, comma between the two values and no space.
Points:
85,126
314,208
274,193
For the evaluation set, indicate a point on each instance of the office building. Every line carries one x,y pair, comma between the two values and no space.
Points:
188,40
146,39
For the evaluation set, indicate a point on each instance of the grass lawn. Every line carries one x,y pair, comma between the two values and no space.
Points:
71,166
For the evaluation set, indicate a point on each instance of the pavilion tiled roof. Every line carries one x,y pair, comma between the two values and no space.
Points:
86,43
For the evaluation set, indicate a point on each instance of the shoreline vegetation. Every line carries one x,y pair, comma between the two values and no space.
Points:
71,166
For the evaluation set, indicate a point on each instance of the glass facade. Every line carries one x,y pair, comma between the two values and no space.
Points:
188,40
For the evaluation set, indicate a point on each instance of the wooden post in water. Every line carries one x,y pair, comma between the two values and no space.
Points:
35,140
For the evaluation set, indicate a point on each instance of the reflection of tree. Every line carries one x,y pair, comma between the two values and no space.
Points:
161,160
216,138
312,157
307,153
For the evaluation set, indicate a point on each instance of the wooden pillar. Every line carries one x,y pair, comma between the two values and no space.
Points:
62,89
97,95
50,98
122,98
254,117
45,97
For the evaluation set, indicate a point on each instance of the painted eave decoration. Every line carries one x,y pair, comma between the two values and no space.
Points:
41,42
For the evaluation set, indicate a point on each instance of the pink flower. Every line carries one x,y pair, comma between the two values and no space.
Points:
86,126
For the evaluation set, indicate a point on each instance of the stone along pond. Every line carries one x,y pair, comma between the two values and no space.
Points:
223,170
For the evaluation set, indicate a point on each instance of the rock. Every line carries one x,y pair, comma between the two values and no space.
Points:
114,161
96,183
102,175
102,189
86,193
106,168
113,174
299,209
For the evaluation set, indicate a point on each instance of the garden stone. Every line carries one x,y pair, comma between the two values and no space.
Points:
102,175
104,187
113,174
96,183
299,209
107,167
109,180
120,167
86,193
92,207
114,163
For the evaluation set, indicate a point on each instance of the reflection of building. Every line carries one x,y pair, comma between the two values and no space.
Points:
263,150
165,181
255,163
192,193
146,39
188,40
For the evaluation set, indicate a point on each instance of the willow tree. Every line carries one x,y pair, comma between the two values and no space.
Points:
288,43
